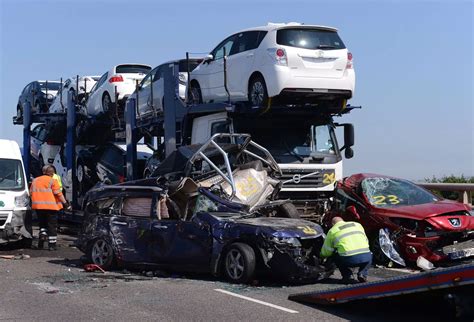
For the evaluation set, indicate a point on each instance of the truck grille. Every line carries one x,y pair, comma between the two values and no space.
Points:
3,218
301,178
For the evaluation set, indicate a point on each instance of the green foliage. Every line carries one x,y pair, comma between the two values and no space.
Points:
450,179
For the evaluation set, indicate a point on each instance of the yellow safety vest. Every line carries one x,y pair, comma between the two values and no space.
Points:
347,238
58,179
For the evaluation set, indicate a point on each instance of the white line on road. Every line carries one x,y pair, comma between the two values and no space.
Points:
256,301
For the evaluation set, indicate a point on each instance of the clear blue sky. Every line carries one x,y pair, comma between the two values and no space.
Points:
413,61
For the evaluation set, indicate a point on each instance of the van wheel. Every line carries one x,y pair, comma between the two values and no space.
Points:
196,95
288,210
257,94
239,263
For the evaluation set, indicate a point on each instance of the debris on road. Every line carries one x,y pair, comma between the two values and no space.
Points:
15,257
93,268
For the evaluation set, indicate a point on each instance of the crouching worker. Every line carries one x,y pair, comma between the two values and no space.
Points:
347,245
47,199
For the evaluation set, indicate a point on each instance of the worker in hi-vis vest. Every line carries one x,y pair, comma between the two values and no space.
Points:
348,245
47,199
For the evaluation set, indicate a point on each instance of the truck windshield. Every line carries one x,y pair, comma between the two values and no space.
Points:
289,145
11,175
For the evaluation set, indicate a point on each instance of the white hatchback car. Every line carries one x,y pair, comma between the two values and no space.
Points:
82,85
151,98
291,63
119,81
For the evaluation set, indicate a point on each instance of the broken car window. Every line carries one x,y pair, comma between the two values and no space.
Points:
389,192
137,207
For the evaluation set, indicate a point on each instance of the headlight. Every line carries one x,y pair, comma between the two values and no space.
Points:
410,224
182,79
22,201
291,241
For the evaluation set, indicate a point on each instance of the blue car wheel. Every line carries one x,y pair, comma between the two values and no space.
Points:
239,263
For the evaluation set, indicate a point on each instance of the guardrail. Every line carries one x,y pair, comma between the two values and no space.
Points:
465,189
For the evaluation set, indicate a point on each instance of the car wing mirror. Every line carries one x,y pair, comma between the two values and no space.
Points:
353,212
209,58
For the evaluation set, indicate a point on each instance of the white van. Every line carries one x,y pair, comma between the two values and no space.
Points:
15,212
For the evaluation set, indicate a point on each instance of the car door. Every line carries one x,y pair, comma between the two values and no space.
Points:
212,72
35,140
240,63
110,166
144,95
159,88
94,102
130,227
178,243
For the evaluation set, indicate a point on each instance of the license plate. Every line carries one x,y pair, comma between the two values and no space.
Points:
462,253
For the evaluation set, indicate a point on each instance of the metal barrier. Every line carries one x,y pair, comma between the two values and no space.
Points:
465,189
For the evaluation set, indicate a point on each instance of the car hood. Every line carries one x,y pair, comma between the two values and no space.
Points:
283,227
427,210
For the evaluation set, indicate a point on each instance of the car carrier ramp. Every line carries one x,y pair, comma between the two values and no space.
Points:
449,279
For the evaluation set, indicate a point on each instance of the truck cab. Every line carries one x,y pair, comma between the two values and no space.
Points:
306,149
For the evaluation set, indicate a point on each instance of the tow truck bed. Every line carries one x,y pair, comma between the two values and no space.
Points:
449,279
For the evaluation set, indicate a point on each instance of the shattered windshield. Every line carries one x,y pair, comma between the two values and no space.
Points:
390,192
290,143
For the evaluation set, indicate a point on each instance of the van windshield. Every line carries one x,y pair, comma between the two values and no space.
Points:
11,175
309,38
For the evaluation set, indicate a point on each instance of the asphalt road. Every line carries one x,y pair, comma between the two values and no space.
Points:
52,286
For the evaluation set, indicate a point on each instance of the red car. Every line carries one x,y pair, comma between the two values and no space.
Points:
404,221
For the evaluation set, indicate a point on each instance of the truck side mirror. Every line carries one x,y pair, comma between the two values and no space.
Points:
349,153
348,135
353,212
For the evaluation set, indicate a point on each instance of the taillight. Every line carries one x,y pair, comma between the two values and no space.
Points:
51,142
121,179
279,55
349,64
116,78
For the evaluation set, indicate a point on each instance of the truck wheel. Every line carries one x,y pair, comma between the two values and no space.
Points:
102,254
239,263
258,95
288,210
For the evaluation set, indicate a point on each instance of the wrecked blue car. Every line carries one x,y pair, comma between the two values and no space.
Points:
224,223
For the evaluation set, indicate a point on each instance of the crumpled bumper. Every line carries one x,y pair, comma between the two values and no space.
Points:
15,228
285,266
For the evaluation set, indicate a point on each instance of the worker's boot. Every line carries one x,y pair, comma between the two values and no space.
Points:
52,246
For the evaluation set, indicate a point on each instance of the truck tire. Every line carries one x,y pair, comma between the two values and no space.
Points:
288,210
239,263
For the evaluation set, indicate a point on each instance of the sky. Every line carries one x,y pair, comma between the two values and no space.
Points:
413,63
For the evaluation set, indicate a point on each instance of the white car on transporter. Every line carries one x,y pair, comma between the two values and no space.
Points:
120,80
294,63
81,85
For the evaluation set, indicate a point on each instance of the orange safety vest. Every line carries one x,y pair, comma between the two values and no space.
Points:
45,194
